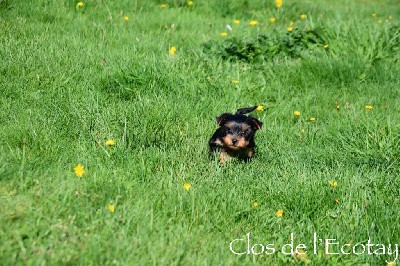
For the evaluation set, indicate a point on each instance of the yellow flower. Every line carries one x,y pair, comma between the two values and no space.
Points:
337,201
332,184
110,142
224,34
260,108
373,14
296,113
278,3
326,46
272,19
368,107
172,50
163,6
190,3
391,263
289,29
303,16
312,119
236,22
79,4
254,204
186,186
111,207
235,81
337,107
279,213
79,170
253,23
126,18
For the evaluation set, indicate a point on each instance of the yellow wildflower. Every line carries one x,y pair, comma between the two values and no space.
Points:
332,184
163,6
289,29
391,263
126,18
368,107
337,107
224,34
326,46
296,114
190,3
111,207
278,3
312,119
236,22
254,204
279,213
110,142
186,186
79,170
373,14
272,19
253,23
303,16
337,201
260,108
235,81
172,50
79,4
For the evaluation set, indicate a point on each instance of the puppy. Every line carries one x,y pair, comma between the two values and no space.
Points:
235,136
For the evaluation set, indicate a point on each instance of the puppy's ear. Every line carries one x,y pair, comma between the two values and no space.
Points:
255,123
222,119
246,110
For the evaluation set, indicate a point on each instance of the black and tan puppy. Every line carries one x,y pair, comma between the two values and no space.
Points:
235,135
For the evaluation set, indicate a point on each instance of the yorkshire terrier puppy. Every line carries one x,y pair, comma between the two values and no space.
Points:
235,135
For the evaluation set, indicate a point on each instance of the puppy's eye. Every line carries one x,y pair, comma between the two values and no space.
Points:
229,131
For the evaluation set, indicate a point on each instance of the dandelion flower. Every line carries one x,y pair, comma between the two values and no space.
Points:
337,201
260,108
111,207
235,81
279,213
296,114
224,34
333,184
79,170
186,186
126,18
278,3
289,29
337,107
303,16
391,263
79,4
312,119
163,6
373,14
172,50
110,142
236,22
190,3
253,23
368,107
272,19
254,204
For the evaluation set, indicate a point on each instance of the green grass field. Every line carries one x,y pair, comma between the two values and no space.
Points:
73,77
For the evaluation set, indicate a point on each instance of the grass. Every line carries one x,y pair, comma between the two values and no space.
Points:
73,78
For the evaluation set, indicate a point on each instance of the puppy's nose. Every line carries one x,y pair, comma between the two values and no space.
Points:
234,141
